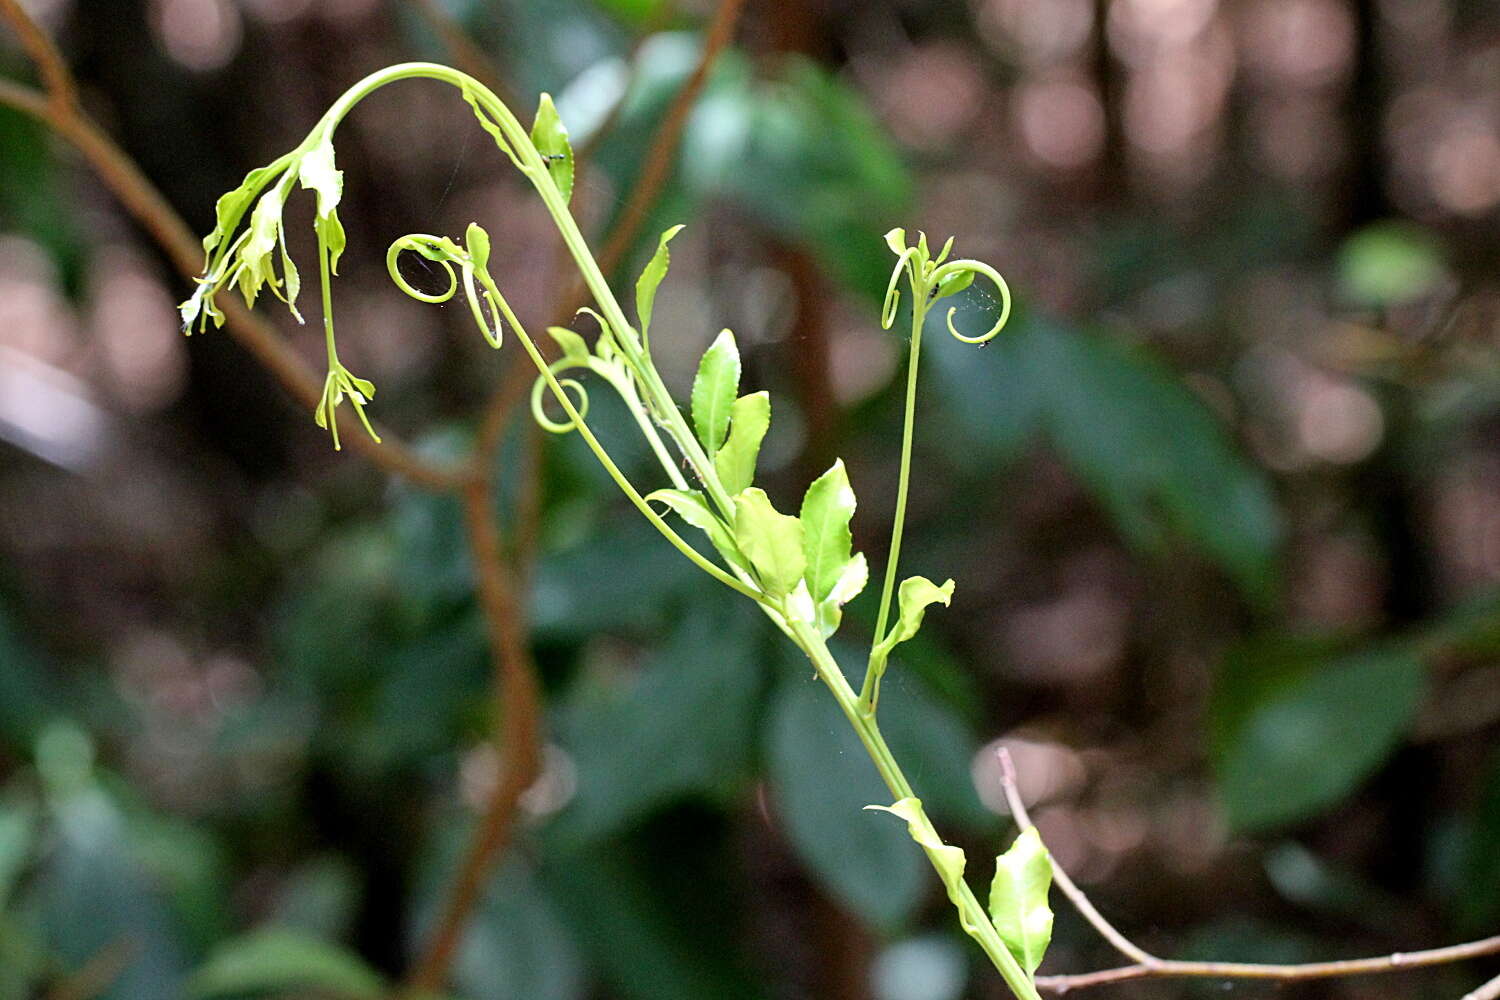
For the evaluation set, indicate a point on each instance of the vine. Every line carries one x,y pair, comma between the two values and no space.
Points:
800,569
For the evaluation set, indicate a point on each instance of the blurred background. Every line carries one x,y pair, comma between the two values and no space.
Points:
1222,504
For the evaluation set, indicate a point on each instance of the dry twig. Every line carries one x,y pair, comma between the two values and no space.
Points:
1149,966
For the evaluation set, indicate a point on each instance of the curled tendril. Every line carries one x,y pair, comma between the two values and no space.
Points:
580,401
893,291
953,272
471,264
439,250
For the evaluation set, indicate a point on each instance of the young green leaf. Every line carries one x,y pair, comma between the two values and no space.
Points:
293,279
1018,899
693,507
317,173
488,124
916,593
231,206
478,243
770,540
799,604
954,283
255,254
331,234
749,417
573,346
947,859
831,611
714,390
827,509
651,277
550,137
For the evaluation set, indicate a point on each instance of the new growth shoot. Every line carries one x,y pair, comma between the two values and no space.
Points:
800,569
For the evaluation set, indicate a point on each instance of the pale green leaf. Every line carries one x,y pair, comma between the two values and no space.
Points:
574,348
255,253
231,206
947,859
550,137
749,418
831,611
1018,899
331,234
317,172
770,540
954,283
478,243
651,277
277,961
293,279
827,509
917,593
693,507
896,240
714,390
488,124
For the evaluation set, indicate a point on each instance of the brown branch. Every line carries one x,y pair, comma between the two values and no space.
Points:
146,205
516,686
1149,966
519,703
39,47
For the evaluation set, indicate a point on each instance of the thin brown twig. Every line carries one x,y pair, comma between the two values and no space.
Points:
39,48
516,686
519,702
146,205
1149,966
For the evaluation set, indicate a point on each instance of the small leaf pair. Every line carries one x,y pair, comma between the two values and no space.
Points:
730,429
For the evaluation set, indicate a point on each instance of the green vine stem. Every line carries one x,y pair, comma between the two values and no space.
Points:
799,570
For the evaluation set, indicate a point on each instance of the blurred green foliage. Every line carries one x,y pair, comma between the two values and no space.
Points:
300,837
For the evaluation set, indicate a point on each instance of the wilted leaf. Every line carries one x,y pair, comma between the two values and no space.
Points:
317,173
